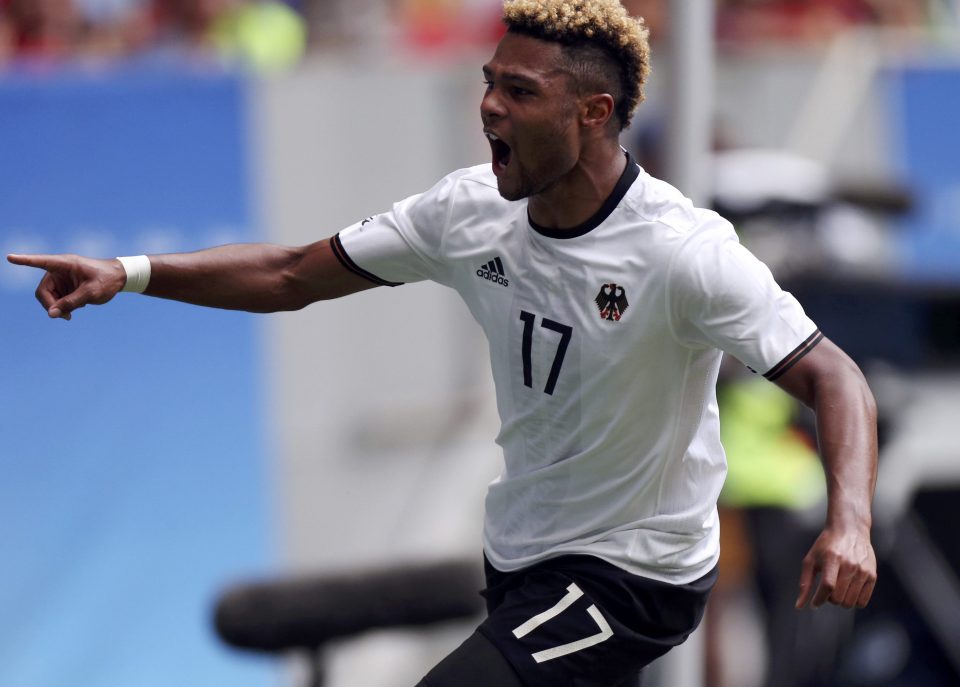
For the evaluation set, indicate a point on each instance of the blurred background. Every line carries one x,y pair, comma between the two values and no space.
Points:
153,454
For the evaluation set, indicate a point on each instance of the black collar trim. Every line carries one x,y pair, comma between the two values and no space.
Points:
630,174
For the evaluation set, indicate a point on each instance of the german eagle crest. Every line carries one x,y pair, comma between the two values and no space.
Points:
612,301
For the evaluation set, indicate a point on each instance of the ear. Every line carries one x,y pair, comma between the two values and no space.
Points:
596,110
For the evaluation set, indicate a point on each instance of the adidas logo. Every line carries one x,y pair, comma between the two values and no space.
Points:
493,271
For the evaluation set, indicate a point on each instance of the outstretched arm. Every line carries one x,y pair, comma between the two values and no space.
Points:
832,385
252,277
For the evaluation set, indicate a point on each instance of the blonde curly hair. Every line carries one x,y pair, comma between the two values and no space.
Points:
606,48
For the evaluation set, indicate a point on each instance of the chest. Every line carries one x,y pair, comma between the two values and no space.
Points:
595,304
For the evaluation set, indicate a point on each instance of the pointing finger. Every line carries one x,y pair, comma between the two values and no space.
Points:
41,261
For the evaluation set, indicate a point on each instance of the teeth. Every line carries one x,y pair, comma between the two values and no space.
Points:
492,137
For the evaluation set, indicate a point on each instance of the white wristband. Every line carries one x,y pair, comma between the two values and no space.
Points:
137,268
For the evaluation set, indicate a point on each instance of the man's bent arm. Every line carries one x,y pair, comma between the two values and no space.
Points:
832,385
252,277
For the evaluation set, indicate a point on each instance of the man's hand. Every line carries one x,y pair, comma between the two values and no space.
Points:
847,567
72,281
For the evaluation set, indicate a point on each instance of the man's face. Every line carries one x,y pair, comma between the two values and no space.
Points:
529,114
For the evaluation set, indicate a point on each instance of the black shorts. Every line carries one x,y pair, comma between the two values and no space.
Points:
579,621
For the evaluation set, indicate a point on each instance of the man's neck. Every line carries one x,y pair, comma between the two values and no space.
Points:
581,192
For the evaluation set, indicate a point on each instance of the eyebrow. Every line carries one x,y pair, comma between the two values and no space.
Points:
513,77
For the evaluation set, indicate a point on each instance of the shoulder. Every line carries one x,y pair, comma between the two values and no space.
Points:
463,188
477,182
691,241
653,200
480,176
677,225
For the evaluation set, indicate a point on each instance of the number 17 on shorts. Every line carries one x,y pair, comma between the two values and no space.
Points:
603,631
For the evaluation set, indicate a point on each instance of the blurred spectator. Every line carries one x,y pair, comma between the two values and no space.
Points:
263,34
115,28
260,34
187,24
450,25
58,30
40,29
810,21
901,13
6,36
655,14
272,34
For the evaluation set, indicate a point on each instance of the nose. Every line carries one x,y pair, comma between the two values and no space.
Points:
491,107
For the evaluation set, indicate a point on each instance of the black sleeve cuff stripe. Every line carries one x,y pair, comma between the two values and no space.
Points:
345,260
794,357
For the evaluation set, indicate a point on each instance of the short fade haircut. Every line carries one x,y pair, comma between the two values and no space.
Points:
607,50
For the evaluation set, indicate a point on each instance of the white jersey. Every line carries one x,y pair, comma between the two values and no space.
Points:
605,342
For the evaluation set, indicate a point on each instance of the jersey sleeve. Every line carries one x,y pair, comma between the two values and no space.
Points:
720,295
402,245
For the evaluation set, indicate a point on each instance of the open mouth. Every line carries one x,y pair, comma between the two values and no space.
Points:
501,153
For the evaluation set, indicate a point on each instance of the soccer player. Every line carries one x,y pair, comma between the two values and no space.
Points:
607,299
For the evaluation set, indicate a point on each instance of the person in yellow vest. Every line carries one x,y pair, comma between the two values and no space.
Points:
771,502
265,35
261,35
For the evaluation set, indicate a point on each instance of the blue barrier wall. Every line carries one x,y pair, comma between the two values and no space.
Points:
133,472
926,100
